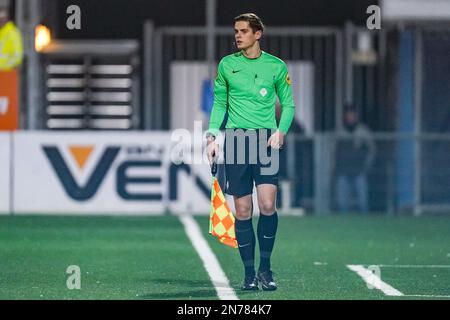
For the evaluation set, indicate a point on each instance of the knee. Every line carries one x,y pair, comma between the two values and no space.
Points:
243,211
267,207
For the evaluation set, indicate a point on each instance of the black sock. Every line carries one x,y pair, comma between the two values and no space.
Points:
245,237
267,229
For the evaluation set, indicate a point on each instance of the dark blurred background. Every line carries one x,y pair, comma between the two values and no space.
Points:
148,65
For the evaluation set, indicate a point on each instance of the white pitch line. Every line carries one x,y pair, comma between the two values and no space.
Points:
426,296
210,262
372,279
413,266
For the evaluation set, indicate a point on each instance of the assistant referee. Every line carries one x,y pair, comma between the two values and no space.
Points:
247,85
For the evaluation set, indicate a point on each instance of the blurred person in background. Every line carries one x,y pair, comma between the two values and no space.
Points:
11,48
355,152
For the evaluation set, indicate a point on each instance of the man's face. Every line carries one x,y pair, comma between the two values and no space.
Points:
244,36
351,117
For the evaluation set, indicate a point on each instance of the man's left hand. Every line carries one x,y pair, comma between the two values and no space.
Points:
276,140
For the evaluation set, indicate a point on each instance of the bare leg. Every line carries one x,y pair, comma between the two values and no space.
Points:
267,194
244,207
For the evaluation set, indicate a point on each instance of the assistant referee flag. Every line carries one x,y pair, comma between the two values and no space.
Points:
221,219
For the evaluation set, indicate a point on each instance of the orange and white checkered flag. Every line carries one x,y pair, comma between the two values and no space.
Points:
221,219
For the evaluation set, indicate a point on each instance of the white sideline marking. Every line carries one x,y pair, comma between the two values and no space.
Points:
210,262
426,296
372,279
413,266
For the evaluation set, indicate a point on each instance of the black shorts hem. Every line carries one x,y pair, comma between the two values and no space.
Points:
266,182
238,194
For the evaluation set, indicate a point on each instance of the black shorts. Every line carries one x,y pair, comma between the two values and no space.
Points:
251,163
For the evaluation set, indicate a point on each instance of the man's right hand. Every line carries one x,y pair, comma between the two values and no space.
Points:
212,149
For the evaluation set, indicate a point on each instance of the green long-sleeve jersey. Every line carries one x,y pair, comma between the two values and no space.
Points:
249,87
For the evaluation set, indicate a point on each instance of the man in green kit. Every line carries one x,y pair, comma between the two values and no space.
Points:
247,85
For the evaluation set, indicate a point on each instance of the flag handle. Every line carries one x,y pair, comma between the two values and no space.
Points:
214,168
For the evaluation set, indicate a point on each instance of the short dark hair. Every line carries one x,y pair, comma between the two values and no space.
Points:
253,20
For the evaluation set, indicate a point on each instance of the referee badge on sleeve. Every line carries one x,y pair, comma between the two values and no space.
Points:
288,80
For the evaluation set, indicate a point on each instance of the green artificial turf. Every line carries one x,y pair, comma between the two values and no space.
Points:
152,257
311,255
119,258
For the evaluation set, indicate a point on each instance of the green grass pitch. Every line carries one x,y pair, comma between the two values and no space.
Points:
152,258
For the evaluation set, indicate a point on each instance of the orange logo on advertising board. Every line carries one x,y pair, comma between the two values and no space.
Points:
81,154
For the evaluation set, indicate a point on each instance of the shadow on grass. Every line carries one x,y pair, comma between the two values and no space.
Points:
193,294
184,282
183,289
199,289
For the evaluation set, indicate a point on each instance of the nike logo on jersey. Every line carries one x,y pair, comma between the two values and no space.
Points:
235,71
